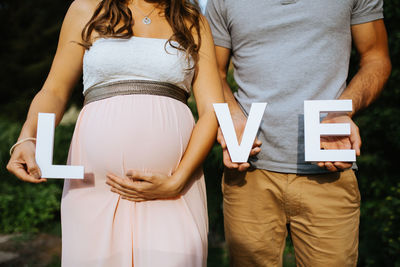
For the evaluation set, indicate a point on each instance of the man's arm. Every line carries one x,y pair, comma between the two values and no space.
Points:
370,40
238,117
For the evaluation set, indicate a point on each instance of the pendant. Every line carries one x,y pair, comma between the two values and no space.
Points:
146,20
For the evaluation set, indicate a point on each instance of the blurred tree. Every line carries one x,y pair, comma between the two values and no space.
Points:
29,33
378,167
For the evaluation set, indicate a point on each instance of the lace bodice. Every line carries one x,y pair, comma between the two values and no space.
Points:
111,59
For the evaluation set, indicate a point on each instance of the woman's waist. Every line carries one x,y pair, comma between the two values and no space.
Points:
147,110
132,85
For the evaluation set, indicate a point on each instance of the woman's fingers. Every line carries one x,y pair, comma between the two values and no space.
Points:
140,176
130,187
23,164
125,194
138,199
18,169
129,194
137,188
25,168
32,167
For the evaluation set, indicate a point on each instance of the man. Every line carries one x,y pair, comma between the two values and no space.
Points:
284,52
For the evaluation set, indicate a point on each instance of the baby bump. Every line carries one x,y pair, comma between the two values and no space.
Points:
143,132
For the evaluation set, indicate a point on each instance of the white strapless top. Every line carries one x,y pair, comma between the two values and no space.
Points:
138,58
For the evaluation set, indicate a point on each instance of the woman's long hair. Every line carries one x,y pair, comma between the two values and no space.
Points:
182,15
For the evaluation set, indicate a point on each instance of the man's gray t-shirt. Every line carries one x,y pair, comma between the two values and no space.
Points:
285,52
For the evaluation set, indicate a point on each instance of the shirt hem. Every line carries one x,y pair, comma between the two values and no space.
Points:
295,168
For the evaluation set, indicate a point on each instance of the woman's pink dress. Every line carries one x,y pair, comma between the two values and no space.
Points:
140,132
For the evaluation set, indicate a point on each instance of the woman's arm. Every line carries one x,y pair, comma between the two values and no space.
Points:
207,90
52,98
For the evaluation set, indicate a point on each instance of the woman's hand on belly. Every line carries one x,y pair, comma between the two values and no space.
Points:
142,186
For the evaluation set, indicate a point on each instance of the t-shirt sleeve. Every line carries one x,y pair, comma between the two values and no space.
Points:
216,15
366,11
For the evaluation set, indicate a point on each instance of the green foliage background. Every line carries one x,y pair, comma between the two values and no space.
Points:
378,166
29,33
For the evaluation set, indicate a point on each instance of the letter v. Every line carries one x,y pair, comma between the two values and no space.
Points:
239,153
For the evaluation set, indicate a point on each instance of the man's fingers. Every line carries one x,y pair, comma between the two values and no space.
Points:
227,160
342,165
357,148
330,167
344,142
335,166
239,166
243,166
355,140
221,139
257,143
229,164
255,151
321,164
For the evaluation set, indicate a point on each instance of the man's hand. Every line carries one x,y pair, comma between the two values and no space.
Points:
353,141
142,186
239,121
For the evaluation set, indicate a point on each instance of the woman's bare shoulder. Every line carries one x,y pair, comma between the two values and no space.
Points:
84,7
79,13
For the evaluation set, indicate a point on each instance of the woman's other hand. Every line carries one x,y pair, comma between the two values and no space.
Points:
141,186
23,164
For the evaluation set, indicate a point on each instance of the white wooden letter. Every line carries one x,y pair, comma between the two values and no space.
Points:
313,130
239,153
44,151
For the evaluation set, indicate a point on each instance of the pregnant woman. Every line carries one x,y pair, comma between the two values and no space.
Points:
142,202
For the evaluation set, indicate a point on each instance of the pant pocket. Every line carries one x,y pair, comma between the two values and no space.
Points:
350,180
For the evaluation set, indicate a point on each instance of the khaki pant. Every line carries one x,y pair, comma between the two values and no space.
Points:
322,210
